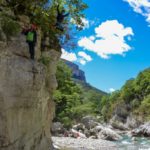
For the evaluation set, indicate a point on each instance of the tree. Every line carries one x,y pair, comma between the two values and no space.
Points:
142,84
127,92
67,96
44,14
132,98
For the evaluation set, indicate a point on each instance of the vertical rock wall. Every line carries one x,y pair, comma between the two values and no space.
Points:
26,105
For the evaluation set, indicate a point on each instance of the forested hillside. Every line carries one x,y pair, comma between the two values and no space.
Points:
133,97
74,99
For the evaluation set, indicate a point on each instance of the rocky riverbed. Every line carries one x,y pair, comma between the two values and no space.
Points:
92,135
68,143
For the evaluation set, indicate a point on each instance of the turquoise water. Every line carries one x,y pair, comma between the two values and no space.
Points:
139,143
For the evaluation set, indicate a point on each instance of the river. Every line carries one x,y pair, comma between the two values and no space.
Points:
127,143
139,143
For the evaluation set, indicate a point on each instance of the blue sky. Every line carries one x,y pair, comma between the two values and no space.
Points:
115,44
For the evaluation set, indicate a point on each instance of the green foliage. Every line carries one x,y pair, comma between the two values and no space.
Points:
74,100
25,6
91,101
83,110
135,103
66,121
67,96
44,14
45,60
108,104
47,8
127,92
75,9
144,109
10,27
142,83
133,97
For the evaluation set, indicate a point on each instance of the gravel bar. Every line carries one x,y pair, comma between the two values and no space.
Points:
68,143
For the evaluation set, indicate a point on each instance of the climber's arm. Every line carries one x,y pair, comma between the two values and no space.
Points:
58,12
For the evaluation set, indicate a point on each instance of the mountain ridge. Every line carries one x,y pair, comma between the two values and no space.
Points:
79,77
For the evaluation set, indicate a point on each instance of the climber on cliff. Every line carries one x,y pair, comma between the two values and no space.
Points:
31,39
60,18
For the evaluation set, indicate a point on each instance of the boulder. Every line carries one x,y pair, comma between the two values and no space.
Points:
98,128
77,134
118,125
143,130
95,131
89,122
57,128
109,134
87,133
79,126
131,122
103,132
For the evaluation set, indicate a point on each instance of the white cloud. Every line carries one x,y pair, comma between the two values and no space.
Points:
141,6
92,38
82,57
82,61
85,56
109,39
68,56
85,22
112,28
112,90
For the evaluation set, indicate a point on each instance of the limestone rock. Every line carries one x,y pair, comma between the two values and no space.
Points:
143,130
89,122
77,73
2,36
79,126
77,134
24,19
109,134
115,123
57,128
26,105
131,122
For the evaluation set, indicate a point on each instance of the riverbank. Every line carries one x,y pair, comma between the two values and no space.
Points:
91,135
68,143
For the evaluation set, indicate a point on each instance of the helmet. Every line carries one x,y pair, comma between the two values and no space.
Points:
33,26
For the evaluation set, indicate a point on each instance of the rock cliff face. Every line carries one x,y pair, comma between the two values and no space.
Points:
77,73
26,105
79,77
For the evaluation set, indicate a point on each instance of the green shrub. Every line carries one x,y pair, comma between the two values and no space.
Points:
10,27
144,108
135,103
45,60
66,121
83,110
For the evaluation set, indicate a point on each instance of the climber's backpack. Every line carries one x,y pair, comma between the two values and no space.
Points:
30,36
